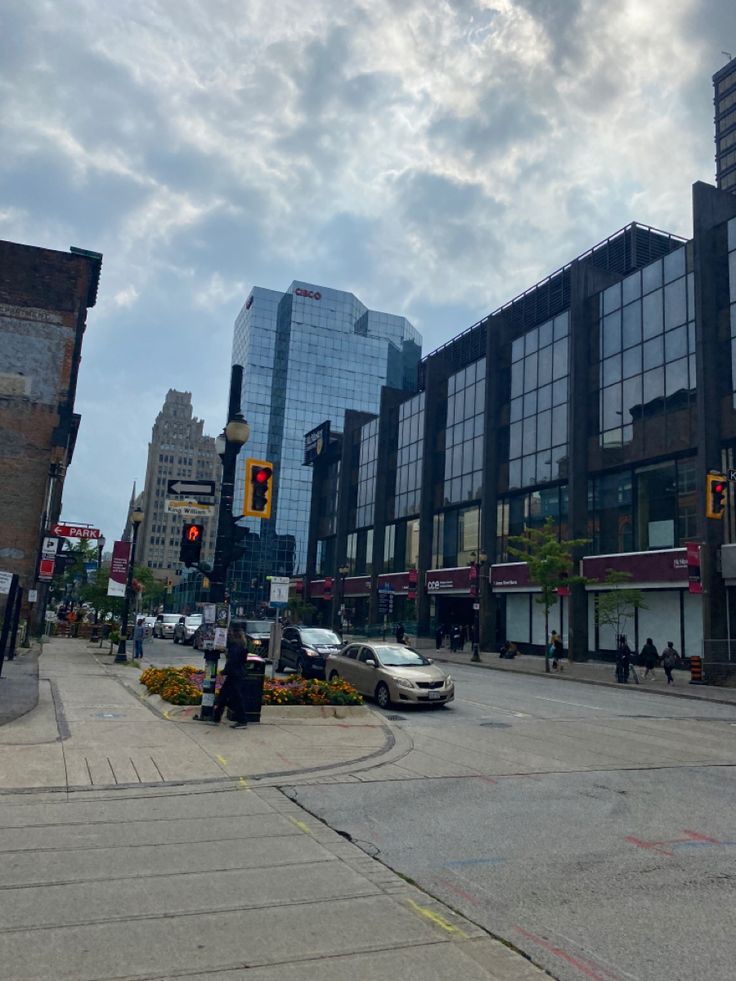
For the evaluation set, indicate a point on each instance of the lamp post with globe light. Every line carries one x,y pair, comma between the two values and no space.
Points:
136,517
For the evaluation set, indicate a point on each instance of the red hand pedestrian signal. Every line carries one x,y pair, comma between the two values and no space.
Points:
191,544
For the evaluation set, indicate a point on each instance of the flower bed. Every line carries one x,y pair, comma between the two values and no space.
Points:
183,686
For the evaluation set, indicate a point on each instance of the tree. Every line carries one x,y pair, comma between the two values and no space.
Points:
152,590
617,605
549,560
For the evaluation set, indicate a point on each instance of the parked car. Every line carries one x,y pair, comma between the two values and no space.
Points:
305,649
186,627
391,673
164,626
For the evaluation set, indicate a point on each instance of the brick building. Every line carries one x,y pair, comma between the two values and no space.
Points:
44,297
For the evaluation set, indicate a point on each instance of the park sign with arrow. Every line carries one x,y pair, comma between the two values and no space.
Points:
191,488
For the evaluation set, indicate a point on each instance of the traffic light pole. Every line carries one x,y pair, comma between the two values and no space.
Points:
235,436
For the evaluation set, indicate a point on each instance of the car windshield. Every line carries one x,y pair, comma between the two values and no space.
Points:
194,620
171,618
320,637
258,626
400,657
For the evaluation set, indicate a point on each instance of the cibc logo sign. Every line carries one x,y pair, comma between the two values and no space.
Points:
311,294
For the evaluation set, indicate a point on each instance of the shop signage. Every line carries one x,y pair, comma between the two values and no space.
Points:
448,580
510,575
119,569
694,583
399,581
316,442
46,569
310,294
665,566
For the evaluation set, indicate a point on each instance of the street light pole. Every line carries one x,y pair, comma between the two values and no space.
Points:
121,657
228,445
476,566
343,570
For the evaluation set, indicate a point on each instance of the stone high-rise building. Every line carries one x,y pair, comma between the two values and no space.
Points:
178,448
44,298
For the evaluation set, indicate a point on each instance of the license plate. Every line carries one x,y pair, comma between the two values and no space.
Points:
435,695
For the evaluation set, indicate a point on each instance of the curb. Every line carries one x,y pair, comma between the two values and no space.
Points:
591,681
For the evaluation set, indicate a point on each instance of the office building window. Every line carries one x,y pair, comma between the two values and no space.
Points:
409,457
367,474
464,434
538,407
732,288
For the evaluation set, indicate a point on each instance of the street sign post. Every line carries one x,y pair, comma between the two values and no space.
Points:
49,547
191,488
46,568
279,591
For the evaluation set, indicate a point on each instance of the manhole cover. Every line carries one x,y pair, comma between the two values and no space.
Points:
109,715
497,725
397,718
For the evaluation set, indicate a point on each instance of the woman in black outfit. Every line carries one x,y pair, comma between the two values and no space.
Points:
231,694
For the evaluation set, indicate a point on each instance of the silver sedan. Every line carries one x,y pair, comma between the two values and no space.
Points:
391,673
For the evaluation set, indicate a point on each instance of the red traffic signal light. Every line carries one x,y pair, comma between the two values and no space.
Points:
258,488
715,496
193,533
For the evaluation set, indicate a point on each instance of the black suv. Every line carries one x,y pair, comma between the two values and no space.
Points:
305,649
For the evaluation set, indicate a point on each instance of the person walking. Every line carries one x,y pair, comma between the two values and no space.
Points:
558,653
231,694
139,633
623,661
439,636
400,633
454,637
649,658
464,634
670,657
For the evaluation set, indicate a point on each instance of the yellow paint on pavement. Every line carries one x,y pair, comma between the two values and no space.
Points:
221,759
243,784
301,825
440,921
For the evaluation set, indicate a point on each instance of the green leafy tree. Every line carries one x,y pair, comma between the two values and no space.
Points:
550,563
152,591
616,606
301,612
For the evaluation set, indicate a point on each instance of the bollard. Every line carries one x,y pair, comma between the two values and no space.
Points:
696,670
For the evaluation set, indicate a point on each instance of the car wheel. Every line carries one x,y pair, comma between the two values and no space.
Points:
383,697
334,676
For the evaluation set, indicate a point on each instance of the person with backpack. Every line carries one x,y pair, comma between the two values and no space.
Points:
670,658
649,658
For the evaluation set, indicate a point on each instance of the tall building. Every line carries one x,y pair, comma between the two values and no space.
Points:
308,354
44,298
724,85
178,448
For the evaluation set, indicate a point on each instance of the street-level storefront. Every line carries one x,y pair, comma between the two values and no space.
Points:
670,610
450,597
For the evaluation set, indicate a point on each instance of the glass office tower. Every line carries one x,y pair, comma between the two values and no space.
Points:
308,354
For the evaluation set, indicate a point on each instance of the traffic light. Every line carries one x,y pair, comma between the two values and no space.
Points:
191,544
258,488
715,496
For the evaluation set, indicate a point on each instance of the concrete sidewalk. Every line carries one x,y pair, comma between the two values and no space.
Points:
134,847
590,672
19,684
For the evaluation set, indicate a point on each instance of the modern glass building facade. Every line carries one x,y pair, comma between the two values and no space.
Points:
308,354
724,85
600,398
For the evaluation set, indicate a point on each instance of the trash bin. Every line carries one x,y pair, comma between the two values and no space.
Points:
255,671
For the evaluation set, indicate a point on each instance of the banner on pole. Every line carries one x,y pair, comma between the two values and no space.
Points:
119,569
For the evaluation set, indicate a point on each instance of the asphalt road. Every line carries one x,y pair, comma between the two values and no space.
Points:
594,828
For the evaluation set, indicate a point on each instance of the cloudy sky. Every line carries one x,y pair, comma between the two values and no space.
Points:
436,157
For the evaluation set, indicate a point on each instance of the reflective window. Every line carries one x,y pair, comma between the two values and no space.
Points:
464,432
539,394
732,287
367,474
409,456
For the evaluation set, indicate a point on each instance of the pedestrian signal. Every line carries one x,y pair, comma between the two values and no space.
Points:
258,488
191,544
715,496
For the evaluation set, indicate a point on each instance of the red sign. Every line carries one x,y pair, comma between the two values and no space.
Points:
119,569
510,575
694,584
665,566
327,589
75,531
412,590
448,580
46,569
311,294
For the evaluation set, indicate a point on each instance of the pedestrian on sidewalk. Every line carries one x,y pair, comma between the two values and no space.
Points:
623,661
454,637
232,694
400,633
649,658
139,633
464,634
558,653
439,636
670,657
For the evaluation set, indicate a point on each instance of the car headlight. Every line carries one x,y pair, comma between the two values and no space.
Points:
309,652
256,643
448,680
404,682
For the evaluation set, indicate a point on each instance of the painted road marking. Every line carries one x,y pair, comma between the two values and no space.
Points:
221,759
243,784
301,825
693,840
476,861
596,972
440,921
544,698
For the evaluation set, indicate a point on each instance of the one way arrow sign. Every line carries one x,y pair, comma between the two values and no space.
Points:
192,488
